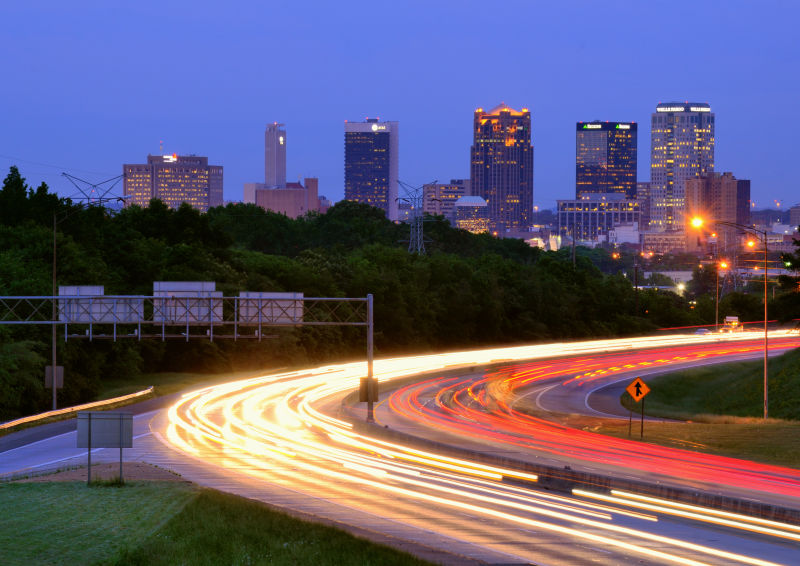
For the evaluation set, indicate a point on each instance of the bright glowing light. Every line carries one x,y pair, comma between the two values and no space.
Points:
697,222
750,243
275,428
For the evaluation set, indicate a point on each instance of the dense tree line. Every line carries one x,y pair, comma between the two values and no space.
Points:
468,290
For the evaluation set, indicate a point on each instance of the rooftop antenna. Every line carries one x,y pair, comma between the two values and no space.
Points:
161,147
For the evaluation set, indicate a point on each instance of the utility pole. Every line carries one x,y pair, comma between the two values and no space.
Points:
93,197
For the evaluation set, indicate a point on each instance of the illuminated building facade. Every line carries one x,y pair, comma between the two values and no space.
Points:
440,198
471,213
605,158
174,179
371,164
717,197
592,216
682,147
275,155
502,166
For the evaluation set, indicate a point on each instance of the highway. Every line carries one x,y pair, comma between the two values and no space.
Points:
281,438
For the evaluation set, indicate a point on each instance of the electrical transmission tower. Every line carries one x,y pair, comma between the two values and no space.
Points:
414,198
96,193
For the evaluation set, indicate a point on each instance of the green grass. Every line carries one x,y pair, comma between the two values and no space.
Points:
771,442
735,389
165,523
70,523
167,382
722,405
220,529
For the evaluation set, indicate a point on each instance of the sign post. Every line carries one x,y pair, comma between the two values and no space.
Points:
637,390
104,429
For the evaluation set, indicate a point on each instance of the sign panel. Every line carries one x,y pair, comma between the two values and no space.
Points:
48,377
368,390
637,389
105,429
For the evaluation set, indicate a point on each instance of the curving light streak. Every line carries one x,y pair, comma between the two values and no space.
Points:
260,425
481,408
734,520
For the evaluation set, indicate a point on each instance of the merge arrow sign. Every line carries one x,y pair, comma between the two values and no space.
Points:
637,389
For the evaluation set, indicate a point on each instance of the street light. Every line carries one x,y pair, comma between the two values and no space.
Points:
698,222
720,265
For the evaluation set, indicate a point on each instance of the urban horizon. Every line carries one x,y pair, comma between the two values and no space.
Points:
215,78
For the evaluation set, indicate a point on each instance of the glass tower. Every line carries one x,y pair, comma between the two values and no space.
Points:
502,166
371,164
605,158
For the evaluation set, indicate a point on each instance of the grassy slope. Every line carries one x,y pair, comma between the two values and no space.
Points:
221,529
165,523
723,404
70,523
735,389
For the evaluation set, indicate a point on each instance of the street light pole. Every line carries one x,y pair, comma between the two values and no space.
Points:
53,372
762,234
98,201
766,338
716,302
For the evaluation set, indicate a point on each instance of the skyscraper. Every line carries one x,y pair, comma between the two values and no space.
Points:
502,166
605,158
275,155
174,179
371,164
682,147
720,197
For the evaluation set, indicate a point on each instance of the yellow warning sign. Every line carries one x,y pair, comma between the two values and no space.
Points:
637,389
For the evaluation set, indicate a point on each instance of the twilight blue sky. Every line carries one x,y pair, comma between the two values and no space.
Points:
90,85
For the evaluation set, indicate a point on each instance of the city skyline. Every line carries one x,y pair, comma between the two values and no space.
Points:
74,107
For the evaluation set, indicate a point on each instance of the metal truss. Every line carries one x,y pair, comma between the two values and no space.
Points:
138,317
134,316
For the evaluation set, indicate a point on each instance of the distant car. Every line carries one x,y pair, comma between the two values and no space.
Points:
702,331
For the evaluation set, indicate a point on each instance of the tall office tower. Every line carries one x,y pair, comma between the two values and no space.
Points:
502,166
605,158
371,159
174,179
275,155
719,197
440,198
681,147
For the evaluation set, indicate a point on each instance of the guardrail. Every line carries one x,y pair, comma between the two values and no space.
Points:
76,408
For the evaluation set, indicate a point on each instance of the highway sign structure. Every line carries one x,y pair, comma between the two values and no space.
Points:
637,389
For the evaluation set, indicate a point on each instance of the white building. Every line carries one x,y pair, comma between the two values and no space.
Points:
275,155
681,148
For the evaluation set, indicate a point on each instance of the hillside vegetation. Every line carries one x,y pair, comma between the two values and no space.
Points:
468,290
